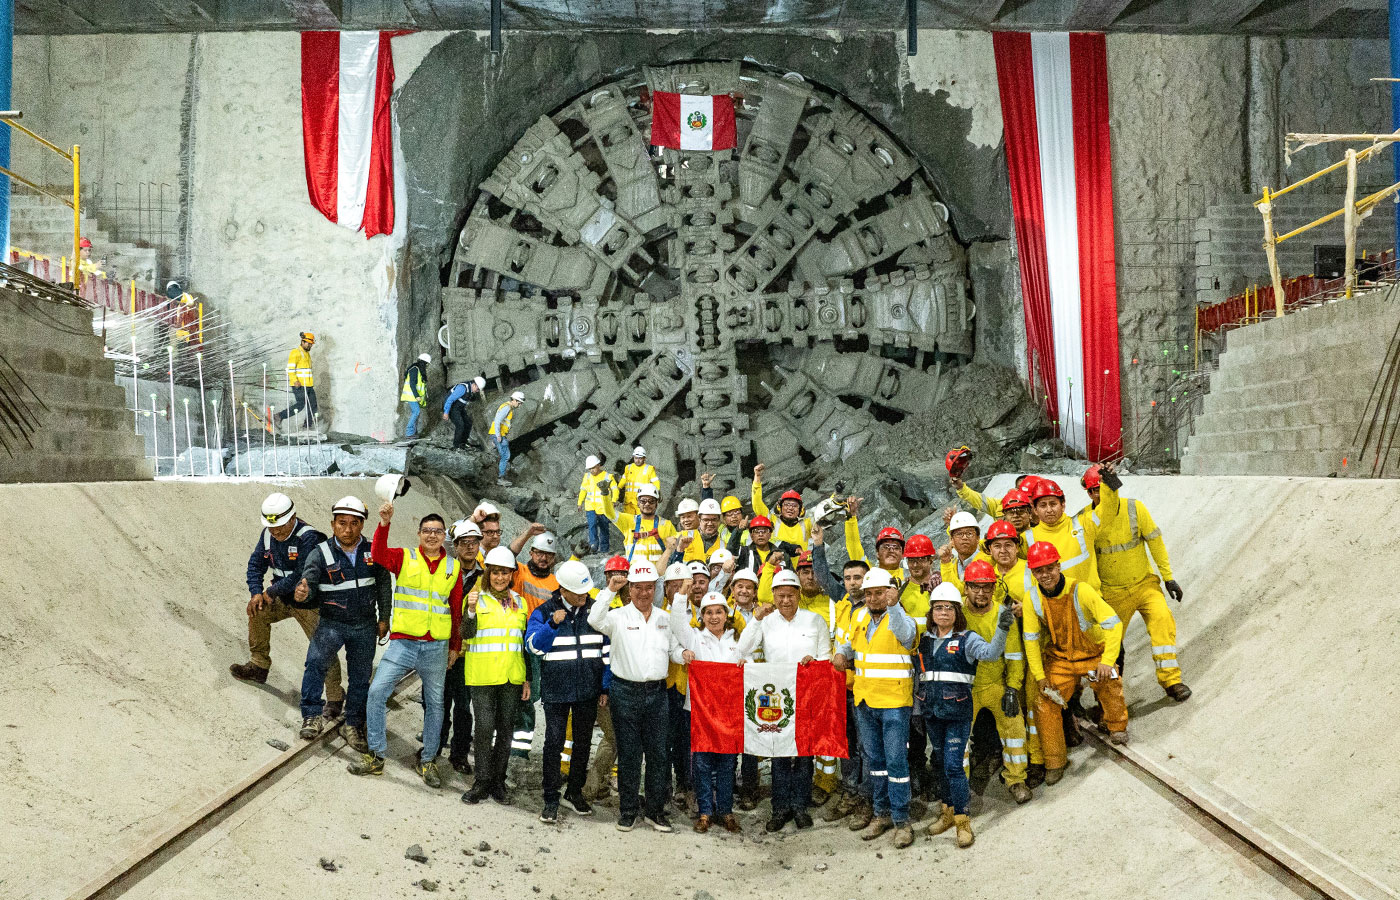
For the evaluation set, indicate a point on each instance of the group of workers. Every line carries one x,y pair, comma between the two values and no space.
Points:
935,643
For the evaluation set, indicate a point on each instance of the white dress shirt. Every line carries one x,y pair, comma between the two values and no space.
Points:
706,647
787,641
641,645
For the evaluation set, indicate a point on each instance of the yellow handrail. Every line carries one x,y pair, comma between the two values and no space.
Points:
75,203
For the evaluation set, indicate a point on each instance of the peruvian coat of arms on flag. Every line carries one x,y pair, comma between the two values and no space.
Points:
768,709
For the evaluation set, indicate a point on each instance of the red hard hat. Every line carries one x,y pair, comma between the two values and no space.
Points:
85,244
1044,487
616,564
804,558
999,530
919,547
790,495
1092,477
979,571
1015,499
1042,553
761,522
889,534
957,460
1027,485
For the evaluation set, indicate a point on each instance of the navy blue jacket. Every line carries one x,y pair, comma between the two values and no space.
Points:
361,593
946,668
571,653
284,559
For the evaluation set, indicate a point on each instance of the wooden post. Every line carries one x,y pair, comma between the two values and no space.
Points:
1349,221
1266,209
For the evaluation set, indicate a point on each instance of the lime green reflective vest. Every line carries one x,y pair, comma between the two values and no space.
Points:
421,605
494,654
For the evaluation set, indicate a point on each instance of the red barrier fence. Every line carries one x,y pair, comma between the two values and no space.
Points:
1257,303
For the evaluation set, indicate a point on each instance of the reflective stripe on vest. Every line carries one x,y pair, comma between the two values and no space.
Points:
297,534
421,607
1135,537
957,677
493,654
346,585
884,672
505,426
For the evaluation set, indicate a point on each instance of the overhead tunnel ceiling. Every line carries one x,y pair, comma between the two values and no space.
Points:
1313,18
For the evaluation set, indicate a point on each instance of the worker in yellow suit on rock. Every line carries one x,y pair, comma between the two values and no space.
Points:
997,684
635,474
301,382
596,485
1073,536
1125,533
790,525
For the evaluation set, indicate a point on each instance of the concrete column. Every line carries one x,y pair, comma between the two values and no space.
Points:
1264,138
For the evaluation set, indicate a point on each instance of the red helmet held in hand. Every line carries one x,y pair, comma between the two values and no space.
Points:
1092,477
957,461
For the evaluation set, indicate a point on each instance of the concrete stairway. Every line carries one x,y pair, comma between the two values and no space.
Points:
86,432
1290,392
40,225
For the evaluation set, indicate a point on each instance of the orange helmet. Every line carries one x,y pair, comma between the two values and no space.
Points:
1042,553
889,534
1092,477
999,530
919,547
1015,499
1044,487
979,571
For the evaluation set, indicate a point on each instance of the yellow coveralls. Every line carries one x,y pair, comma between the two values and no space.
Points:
798,534
592,490
700,551
1129,584
990,683
633,477
1074,536
1012,585
299,368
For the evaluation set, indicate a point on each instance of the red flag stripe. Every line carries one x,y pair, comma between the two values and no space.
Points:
724,138
717,707
665,119
821,716
379,199
320,116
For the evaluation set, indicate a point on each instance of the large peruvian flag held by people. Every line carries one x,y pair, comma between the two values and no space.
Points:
347,84
1054,103
692,121
768,709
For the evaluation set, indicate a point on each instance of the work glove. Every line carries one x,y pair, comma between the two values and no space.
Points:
1174,590
1111,479
1011,702
1008,618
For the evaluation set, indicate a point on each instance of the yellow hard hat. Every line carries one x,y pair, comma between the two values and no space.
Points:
308,337
730,504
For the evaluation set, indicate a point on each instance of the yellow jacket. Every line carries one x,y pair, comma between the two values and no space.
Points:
982,503
1013,584
698,551
798,534
642,535
952,572
856,552
916,603
1074,536
1124,527
592,490
1097,620
633,477
299,368
1010,670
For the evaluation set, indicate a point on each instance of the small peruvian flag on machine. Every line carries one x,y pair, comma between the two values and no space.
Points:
692,121
768,709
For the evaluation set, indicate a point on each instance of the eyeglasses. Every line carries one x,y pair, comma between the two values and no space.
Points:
491,531
432,531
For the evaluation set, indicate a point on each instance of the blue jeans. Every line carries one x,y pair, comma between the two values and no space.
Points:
503,448
792,784
678,741
853,779
884,742
414,410
640,726
597,532
429,659
714,783
358,641
948,738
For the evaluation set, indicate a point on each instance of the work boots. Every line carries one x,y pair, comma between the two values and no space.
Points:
429,771
1118,737
840,808
877,827
964,831
1053,776
861,815
944,820
367,764
310,728
1178,692
333,709
1035,775
903,836
354,735
1019,792
250,672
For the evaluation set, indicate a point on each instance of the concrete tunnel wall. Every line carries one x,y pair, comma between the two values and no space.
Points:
216,117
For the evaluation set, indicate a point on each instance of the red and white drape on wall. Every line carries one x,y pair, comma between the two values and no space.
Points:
348,128
1054,102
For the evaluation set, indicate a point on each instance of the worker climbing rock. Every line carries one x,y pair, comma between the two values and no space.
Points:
1124,536
500,434
301,382
282,549
792,525
999,682
638,472
414,393
454,409
595,486
1069,632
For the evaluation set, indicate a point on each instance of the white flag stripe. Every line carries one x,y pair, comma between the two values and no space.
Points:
702,138
774,733
359,68
1054,113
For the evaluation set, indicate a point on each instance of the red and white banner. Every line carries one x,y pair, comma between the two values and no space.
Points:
768,709
347,82
691,121
1054,103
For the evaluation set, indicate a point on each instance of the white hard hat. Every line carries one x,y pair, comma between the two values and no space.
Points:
709,507
517,395
464,528
486,509
786,578
501,557
479,382
278,509
678,572
642,572
687,506
720,556
745,575
425,357
946,592
648,490
390,487
350,506
876,578
545,543
713,598
591,462
573,576
962,520
699,568
639,450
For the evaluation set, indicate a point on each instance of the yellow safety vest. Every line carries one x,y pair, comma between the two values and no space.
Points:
409,395
299,368
493,655
505,426
421,597
884,669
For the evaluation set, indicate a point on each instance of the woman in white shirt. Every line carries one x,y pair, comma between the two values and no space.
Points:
716,641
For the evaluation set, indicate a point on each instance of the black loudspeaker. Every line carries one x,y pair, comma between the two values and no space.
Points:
1329,261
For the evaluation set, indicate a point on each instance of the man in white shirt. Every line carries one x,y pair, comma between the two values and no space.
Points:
792,636
641,643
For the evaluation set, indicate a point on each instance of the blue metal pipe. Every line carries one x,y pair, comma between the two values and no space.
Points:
7,57
1395,94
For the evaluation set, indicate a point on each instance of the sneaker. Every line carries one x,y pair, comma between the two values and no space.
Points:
503,482
333,709
626,823
778,820
368,764
310,728
498,793
429,771
550,814
660,823
802,820
578,804
479,792
248,672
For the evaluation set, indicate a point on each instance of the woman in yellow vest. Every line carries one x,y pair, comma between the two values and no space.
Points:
495,671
